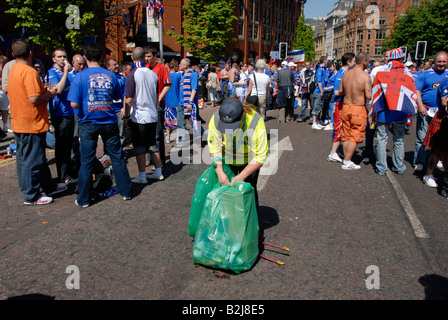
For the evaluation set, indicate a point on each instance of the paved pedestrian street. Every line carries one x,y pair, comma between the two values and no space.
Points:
352,235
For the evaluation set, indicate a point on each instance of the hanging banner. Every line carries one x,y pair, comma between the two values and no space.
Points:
152,24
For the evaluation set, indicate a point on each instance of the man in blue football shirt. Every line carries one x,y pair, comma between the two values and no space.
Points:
62,116
93,92
427,84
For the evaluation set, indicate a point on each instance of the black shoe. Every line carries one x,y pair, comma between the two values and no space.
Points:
3,134
70,180
393,169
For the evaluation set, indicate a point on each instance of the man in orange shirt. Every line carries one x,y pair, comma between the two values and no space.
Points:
30,123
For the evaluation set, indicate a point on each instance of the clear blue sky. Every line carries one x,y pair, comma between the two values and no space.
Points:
316,8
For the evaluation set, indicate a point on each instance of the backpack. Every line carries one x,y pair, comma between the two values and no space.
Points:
312,84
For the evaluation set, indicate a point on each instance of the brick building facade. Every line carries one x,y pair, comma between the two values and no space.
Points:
260,26
365,27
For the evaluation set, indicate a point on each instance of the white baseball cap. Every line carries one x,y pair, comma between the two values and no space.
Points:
291,64
284,63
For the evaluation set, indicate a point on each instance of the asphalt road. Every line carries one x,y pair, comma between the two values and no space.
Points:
352,235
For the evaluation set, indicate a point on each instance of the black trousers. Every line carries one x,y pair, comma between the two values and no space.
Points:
252,179
63,133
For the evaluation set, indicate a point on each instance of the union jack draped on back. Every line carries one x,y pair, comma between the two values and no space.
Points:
394,89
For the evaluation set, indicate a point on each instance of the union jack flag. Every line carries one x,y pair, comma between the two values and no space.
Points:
394,89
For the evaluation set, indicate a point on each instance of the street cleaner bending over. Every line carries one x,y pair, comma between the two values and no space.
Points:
237,136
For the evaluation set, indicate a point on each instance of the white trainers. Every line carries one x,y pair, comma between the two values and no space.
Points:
316,126
430,181
41,200
350,166
440,165
321,124
329,127
140,180
418,167
154,177
334,158
81,205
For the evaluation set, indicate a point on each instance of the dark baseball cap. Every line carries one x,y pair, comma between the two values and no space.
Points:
230,114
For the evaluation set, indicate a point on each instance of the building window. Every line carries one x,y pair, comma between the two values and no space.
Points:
369,34
382,20
360,35
368,48
380,34
241,28
378,50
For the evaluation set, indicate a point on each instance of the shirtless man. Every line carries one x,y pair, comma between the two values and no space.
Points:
224,78
357,89
232,73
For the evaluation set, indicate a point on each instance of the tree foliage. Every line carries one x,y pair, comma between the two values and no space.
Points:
208,26
304,39
48,18
427,22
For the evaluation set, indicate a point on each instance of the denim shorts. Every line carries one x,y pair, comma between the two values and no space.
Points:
143,136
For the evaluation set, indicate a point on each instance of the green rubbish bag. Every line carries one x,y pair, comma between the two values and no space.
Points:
206,183
227,235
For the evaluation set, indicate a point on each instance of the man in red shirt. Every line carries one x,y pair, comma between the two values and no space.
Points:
164,86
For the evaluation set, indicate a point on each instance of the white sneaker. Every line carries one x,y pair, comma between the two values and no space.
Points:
328,127
154,177
316,126
139,180
41,200
81,205
350,166
440,165
418,167
321,124
430,181
334,158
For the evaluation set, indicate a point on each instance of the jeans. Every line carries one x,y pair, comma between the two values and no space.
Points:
75,148
32,169
332,109
63,132
305,99
181,123
88,134
318,100
422,128
382,132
